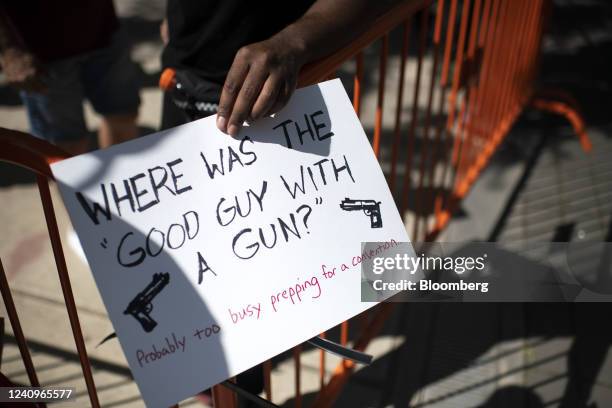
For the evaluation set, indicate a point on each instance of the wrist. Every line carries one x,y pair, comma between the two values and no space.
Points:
292,44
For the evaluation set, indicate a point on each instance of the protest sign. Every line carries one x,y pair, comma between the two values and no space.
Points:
213,254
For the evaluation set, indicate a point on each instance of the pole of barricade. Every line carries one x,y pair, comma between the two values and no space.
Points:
407,185
382,73
441,137
11,311
297,350
397,127
60,261
420,195
223,397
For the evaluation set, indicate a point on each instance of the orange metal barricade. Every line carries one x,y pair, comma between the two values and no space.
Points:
473,65
474,74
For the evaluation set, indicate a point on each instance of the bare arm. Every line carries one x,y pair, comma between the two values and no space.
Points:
264,74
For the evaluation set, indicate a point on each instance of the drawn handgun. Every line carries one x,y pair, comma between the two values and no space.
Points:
371,208
140,307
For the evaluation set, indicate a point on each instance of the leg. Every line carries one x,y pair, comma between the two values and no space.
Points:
111,82
117,129
57,114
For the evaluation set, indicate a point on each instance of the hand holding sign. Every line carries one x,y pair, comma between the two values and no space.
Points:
243,247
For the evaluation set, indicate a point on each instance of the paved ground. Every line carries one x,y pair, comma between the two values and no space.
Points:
428,355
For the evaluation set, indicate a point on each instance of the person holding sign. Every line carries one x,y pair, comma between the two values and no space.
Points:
246,56
244,59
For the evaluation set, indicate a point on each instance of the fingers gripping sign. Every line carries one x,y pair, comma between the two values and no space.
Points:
259,83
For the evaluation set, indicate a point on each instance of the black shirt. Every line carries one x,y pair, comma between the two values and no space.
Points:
206,34
56,29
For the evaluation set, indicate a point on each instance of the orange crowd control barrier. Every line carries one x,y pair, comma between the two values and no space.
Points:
473,73
471,66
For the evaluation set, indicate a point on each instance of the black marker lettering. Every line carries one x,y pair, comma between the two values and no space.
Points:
95,208
285,131
127,196
319,126
175,177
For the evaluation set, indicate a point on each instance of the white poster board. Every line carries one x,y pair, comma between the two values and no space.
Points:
243,247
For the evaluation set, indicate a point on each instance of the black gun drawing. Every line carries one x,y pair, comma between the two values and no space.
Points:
140,307
371,208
